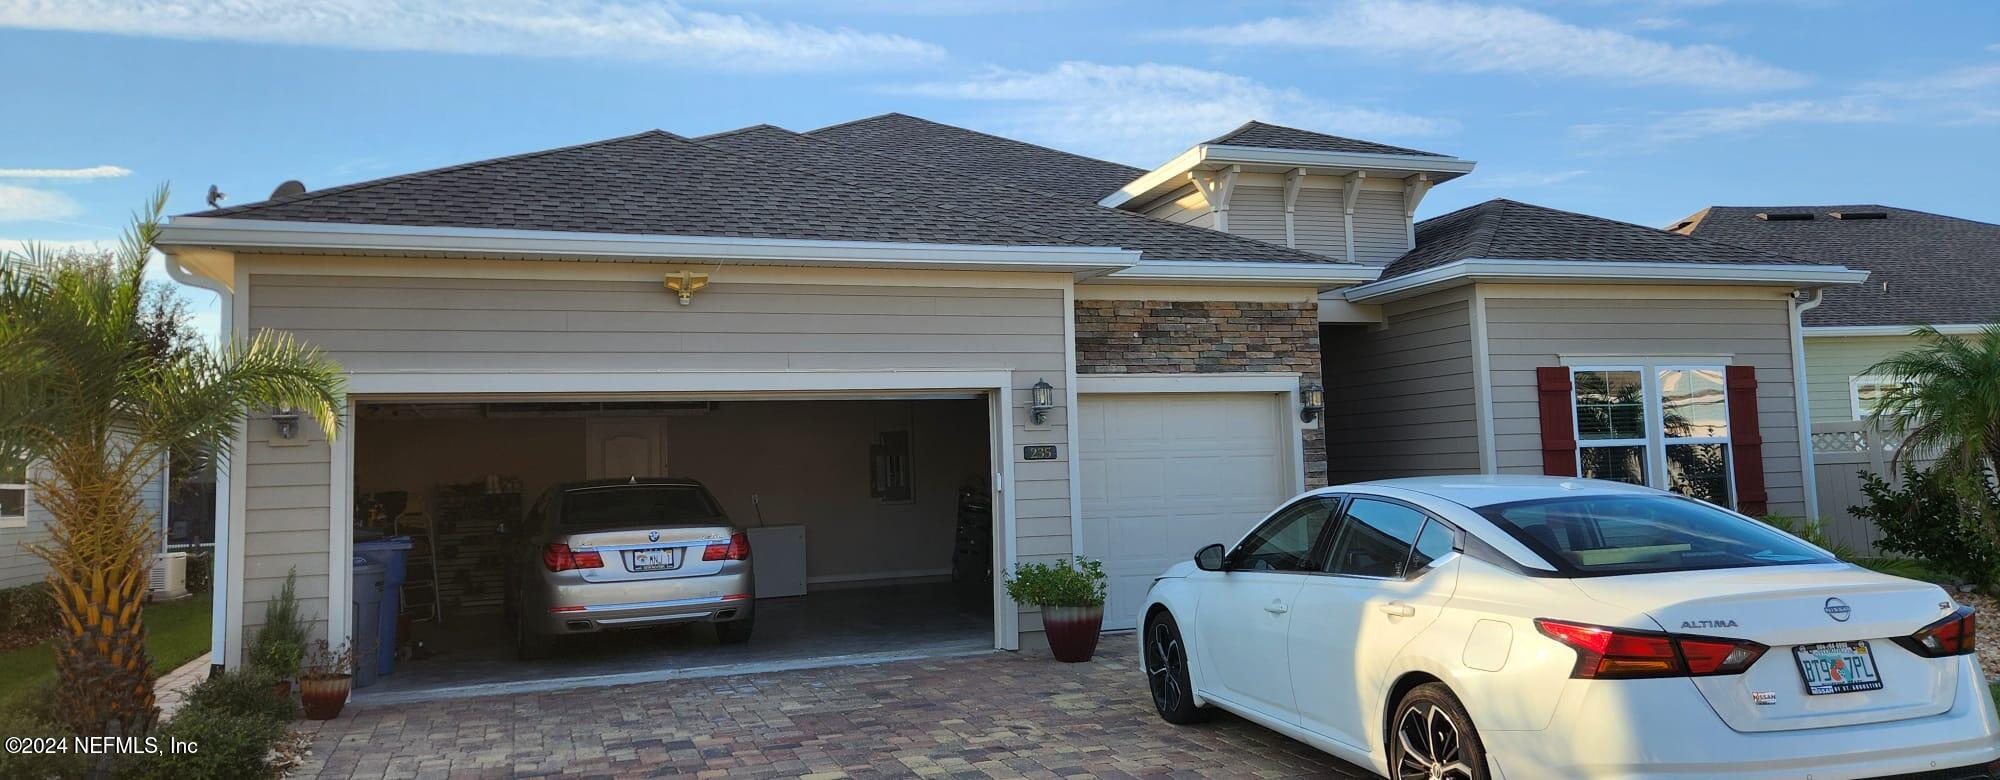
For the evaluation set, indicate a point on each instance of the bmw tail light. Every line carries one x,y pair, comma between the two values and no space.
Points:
559,557
1956,634
738,549
1604,653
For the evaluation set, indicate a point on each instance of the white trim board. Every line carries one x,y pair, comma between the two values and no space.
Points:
1599,271
1274,382
1326,275
638,382
1835,331
1327,163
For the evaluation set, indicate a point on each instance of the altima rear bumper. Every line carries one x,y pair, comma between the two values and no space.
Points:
1664,729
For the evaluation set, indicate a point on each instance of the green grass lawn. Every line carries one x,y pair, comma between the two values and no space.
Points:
176,632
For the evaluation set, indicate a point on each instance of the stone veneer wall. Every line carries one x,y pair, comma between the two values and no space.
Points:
1205,337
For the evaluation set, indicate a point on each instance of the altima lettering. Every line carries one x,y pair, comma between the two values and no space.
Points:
1708,624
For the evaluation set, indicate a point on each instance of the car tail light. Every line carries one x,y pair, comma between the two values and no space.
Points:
1956,634
559,557
738,549
1624,654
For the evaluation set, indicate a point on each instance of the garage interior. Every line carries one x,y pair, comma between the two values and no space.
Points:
870,524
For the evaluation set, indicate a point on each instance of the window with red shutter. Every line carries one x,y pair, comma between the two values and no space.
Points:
1688,429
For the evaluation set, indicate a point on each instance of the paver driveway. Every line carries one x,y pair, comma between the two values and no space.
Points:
998,715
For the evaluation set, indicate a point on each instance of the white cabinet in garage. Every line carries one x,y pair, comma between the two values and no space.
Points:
1165,473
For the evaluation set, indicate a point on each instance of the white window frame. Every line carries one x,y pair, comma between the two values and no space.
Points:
21,520
1652,401
1854,384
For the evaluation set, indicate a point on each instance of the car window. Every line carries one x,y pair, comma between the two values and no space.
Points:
1285,542
1603,535
1433,542
637,505
1375,538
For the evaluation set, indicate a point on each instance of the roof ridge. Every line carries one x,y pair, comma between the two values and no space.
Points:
1117,213
983,133
352,186
1682,236
744,129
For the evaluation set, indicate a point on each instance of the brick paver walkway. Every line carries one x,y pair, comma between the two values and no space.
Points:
172,687
1002,715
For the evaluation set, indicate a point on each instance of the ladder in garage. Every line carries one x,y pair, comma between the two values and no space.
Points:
420,583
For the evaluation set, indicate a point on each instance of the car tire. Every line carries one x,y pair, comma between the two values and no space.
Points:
1431,736
529,645
1166,666
734,632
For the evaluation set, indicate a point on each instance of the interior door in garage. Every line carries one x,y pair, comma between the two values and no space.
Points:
1166,473
625,447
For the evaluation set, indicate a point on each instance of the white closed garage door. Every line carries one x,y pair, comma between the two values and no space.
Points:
1167,473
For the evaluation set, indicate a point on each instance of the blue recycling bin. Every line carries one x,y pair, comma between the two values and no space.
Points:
368,598
390,554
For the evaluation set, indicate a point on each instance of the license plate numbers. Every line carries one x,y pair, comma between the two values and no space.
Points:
1837,667
653,560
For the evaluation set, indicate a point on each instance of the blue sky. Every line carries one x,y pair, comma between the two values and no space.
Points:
1642,110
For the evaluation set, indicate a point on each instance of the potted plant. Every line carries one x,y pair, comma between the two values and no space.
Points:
1071,595
280,658
326,679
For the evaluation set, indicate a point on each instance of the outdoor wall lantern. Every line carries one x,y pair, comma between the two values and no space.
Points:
1312,399
1042,398
287,420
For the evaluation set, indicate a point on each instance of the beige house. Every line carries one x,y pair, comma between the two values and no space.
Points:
861,335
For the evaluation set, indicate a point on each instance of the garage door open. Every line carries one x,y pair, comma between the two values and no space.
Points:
1165,473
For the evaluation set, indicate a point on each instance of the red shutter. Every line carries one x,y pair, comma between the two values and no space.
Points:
1746,440
1558,421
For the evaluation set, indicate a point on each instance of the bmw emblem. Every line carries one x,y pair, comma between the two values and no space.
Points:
1837,609
654,536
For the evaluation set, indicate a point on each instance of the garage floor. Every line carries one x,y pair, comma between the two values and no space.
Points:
474,656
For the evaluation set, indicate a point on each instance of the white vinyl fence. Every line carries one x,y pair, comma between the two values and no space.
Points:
1842,451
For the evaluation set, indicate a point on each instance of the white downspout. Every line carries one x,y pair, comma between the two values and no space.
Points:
1800,393
218,580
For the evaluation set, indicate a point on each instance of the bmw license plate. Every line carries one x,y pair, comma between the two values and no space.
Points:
653,560
1837,667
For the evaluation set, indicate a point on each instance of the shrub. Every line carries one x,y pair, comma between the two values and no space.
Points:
31,716
27,615
200,571
1938,518
232,745
281,641
1896,566
1061,584
244,692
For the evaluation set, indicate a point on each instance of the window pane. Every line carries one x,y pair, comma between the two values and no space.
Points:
13,502
1699,471
1691,403
1375,539
1609,405
640,505
1285,543
1618,464
1432,544
1635,534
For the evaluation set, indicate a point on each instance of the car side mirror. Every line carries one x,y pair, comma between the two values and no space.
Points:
1209,558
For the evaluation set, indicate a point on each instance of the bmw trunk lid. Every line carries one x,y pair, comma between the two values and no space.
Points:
1825,625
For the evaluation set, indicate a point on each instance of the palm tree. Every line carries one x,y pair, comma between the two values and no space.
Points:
1945,400
90,399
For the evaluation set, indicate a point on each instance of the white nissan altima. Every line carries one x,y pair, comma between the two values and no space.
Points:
1536,627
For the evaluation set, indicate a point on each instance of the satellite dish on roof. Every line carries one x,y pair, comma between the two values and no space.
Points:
290,188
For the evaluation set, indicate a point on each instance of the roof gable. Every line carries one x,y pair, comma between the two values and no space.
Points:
987,156
1506,229
1264,134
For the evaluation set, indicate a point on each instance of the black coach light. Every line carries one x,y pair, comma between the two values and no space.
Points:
1041,398
1312,399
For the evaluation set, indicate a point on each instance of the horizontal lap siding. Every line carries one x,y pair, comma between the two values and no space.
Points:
409,323
1526,333
20,567
1400,399
1832,362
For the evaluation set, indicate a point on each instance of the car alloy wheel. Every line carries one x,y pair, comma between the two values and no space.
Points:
1165,662
1432,745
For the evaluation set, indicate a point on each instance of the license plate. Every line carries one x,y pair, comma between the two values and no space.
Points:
1837,667
653,560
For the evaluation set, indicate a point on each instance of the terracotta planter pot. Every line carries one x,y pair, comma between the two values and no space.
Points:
1072,631
281,689
324,697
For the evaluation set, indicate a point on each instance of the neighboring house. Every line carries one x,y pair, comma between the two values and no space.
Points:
1924,269
24,522
1176,321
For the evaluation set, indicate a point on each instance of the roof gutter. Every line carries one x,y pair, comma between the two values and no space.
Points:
253,235
1600,272
1827,331
1220,154
1323,276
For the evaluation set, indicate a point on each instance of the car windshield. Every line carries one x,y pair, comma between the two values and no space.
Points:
630,505
1595,536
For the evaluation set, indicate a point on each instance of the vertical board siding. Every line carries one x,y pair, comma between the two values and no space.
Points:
1526,333
1381,227
1399,399
1319,222
1831,362
409,323
1258,212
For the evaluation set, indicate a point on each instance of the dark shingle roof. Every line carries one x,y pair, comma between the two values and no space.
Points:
1938,270
1506,229
986,156
1074,220
1254,133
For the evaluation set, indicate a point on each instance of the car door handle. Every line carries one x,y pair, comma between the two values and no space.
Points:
1277,608
1398,609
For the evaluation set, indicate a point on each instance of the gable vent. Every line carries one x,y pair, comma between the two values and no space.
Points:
1784,216
1844,215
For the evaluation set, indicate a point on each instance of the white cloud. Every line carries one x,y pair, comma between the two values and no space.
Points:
615,29
26,203
93,172
1490,38
1147,113
1508,180
1961,96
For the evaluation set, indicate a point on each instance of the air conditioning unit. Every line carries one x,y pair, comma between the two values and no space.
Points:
169,578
